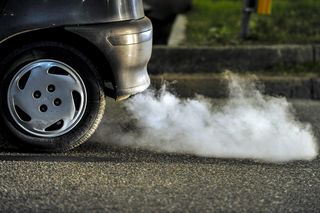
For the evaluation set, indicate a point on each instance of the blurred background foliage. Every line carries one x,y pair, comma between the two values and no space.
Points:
217,22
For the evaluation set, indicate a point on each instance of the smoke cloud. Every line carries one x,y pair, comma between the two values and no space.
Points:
247,125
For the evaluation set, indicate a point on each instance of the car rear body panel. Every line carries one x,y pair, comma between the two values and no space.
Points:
118,28
127,46
18,16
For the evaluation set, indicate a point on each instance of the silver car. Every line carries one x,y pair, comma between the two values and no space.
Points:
58,61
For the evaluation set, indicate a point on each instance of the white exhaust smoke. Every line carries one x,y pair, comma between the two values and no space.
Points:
248,125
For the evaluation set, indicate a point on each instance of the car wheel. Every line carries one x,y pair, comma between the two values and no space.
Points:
51,96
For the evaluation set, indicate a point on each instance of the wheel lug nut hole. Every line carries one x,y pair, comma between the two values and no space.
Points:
57,102
37,94
43,108
51,88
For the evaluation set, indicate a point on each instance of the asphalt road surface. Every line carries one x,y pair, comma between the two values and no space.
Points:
102,177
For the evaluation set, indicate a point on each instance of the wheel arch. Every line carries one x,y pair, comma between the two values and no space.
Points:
69,38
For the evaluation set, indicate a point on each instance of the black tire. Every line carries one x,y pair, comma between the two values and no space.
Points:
95,102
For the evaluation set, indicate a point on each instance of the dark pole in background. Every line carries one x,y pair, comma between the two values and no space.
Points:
249,7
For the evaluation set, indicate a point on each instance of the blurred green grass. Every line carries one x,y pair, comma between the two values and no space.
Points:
217,22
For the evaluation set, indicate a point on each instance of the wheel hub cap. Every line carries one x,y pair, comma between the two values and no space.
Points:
47,98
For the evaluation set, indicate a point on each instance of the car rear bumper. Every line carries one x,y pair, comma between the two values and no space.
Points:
127,46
